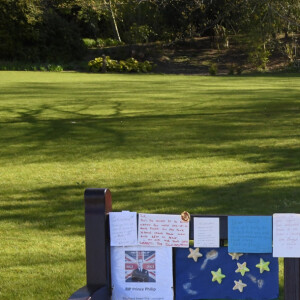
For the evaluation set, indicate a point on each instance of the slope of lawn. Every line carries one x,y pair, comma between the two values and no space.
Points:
221,145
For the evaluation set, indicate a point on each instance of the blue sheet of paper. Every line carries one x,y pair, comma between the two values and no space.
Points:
250,234
194,279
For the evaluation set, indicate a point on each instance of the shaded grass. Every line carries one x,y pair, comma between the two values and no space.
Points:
227,145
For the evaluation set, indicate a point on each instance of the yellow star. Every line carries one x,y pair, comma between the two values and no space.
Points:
239,285
194,254
242,268
235,255
263,265
217,276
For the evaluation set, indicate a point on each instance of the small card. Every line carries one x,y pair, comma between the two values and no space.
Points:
207,232
250,234
123,228
286,235
163,230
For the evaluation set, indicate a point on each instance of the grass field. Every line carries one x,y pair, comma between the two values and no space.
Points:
227,145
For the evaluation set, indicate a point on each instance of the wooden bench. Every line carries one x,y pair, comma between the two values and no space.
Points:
98,203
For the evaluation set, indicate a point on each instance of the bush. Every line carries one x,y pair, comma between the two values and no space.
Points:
258,57
24,66
139,34
213,69
55,68
231,69
235,69
60,40
109,42
128,65
32,32
290,52
90,43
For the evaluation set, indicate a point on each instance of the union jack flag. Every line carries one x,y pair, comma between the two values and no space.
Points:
131,263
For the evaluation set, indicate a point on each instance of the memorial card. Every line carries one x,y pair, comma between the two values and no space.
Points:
286,235
123,228
207,232
163,230
250,234
143,273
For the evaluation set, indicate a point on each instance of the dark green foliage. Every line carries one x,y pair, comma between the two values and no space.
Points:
139,34
32,31
25,66
44,30
60,40
18,35
89,43
100,43
235,69
213,69
129,65
258,57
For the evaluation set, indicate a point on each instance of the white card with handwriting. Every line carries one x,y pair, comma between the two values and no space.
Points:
207,232
123,228
286,235
163,230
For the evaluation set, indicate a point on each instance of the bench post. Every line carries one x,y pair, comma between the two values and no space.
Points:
97,206
292,278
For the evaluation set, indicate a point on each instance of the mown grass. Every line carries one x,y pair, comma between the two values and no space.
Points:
225,145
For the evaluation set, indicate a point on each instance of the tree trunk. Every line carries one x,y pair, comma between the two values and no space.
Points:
114,22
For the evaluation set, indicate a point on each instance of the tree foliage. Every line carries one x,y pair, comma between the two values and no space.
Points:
53,29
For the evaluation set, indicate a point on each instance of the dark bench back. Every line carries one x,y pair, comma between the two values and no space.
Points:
98,203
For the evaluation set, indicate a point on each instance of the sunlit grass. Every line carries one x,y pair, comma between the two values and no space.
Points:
211,145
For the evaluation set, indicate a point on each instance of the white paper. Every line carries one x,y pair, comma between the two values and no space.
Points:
207,232
163,230
123,228
286,235
153,282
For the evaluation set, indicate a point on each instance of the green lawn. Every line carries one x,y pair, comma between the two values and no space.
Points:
227,145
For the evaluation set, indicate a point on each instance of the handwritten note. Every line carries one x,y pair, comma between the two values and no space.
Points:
207,232
123,228
286,235
250,234
163,230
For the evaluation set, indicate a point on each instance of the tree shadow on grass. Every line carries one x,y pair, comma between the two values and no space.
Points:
62,207
253,196
58,207
193,134
126,120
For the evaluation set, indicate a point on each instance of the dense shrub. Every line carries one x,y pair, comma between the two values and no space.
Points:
258,57
128,65
139,34
34,31
213,69
59,39
235,69
23,66
90,43
109,42
100,43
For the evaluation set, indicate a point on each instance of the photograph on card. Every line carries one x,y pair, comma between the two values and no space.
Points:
144,273
140,266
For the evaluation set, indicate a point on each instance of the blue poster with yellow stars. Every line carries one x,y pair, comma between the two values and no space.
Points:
217,274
